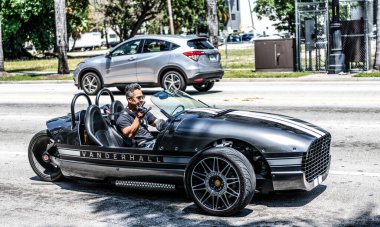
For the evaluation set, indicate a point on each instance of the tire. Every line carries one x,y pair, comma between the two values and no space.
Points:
37,147
121,88
221,181
91,83
204,87
173,80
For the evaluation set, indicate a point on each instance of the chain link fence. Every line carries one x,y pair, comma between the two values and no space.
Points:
311,35
356,17
313,39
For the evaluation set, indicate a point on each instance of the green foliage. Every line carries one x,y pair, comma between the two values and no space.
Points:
125,17
191,14
77,12
26,20
34,21
281,11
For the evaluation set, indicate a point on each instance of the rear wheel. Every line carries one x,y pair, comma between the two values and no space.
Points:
204,87
221,181
173,80
91,83
37,147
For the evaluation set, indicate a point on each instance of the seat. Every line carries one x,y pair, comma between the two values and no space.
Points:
101,133
116,108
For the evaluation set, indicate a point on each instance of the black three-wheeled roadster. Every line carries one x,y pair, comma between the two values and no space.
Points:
220,156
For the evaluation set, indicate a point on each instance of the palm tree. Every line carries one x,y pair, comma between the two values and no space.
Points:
2,69
212,21
376,65
61,31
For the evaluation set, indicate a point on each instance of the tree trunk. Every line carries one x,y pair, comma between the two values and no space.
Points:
212,21
61,31
376,65
2,69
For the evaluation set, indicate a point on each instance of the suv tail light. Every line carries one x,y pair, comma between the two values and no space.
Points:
194,55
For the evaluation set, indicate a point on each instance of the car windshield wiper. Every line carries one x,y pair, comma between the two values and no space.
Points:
223,112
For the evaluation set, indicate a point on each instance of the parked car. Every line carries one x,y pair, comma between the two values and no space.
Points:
247,37
220,156
153,60
233,38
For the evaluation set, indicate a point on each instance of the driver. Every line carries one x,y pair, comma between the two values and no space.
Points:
134,119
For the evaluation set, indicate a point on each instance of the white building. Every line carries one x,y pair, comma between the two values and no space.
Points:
241,19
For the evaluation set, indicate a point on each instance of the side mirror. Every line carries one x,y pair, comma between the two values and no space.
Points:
108,54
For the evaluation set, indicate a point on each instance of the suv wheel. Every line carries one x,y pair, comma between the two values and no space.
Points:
173,80
91,83
204,87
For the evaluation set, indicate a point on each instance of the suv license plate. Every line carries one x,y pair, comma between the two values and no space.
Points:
212,57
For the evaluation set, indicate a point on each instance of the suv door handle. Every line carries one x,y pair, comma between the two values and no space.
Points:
131,59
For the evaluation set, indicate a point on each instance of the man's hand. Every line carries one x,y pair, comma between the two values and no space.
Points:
141,110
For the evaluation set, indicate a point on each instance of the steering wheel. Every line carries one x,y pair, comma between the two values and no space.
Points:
179,106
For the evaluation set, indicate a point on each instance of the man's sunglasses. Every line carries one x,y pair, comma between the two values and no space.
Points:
142,97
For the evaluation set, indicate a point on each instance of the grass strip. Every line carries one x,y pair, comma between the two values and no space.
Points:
21,77
368,74
42,65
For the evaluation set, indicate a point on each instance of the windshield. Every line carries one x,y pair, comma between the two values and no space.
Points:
173,102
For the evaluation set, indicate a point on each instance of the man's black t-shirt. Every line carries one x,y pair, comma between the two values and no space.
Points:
126,119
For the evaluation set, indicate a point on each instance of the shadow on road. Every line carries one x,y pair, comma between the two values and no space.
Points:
288,198
143,207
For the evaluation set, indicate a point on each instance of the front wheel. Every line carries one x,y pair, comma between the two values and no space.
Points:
37,147
91,83
173,80
204,87
221,181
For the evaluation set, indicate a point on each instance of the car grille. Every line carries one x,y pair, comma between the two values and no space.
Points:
317,159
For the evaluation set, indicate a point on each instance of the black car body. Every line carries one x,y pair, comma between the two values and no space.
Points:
280,152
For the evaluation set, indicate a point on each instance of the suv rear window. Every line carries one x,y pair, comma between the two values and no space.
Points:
199,44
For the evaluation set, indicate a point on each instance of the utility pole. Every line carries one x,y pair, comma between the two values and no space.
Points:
212,21
250,13
2,69
61,31
171,17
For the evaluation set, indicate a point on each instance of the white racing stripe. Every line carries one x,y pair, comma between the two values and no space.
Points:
287,122
207,110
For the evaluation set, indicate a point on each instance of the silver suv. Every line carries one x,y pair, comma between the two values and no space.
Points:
153,60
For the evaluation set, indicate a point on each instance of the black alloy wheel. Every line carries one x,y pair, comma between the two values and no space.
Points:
36,156
221,181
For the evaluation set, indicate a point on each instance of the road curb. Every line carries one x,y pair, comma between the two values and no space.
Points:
299,79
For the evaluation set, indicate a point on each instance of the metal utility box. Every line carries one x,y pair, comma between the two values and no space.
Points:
275,55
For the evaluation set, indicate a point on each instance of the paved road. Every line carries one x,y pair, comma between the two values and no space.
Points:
350,196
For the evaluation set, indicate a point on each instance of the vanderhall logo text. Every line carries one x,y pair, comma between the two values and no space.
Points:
121,157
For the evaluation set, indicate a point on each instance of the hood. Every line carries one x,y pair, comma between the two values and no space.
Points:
268,132
264,119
